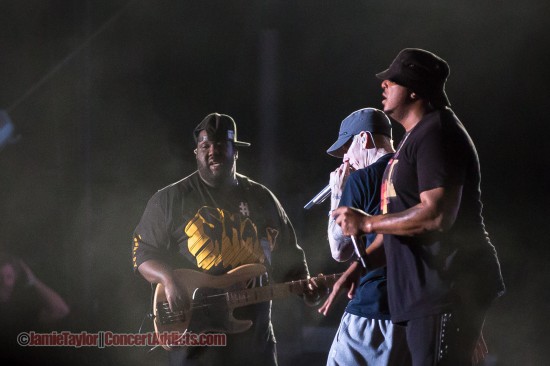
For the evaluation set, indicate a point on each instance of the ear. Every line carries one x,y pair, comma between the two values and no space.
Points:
363,140
366,140
195,151
413,96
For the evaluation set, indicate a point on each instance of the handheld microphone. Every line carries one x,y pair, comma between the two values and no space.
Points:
359,248
319,198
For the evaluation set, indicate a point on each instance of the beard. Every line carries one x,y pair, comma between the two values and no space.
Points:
217,176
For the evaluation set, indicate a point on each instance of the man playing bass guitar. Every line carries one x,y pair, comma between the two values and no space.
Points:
214,221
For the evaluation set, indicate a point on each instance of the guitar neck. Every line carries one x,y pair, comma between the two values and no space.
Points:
277,291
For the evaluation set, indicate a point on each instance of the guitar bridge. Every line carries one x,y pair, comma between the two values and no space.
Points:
166,316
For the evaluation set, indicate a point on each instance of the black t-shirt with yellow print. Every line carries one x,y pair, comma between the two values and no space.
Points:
192,225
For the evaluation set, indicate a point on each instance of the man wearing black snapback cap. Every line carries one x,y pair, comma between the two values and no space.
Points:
443,272
214,221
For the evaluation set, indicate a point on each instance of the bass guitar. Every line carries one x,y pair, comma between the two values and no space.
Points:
213,299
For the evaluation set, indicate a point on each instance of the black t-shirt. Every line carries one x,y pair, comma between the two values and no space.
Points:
192,225
431,272
362,190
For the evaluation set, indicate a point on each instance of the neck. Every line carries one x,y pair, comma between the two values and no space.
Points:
371,156
414,114
227,183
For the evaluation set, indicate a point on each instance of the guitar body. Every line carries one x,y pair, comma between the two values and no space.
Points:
211,309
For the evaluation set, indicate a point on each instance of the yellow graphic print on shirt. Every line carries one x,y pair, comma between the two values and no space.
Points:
134,249
218,237
388,190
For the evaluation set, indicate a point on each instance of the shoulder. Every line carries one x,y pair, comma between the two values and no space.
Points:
371,172
190,180
175,190
359,182
381,163
444,125
258,192
430,132
252,185
185,184
438,121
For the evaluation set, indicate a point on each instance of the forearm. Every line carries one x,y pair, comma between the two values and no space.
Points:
54,307
412,221
436,211
341,246
156,271
375,252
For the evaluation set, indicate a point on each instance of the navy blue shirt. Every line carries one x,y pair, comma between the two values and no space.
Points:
362,190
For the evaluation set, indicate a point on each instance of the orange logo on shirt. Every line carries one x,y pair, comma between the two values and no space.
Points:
388,190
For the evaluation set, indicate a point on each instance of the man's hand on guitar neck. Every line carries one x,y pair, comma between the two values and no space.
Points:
315,291
158,272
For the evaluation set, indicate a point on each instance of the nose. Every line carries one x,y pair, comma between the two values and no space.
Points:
214,149
385,84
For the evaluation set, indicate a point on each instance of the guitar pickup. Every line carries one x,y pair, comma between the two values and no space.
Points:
167,316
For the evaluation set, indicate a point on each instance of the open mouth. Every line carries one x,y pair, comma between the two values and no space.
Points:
215,164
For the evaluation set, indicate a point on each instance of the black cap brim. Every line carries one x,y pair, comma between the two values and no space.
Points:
384,75
241,143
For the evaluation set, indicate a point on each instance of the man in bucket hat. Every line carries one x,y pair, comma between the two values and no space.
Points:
443,272
214,221
366,335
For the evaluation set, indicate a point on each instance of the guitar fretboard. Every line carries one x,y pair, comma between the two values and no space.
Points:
276,291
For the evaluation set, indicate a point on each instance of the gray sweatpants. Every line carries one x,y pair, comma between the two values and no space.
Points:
363,341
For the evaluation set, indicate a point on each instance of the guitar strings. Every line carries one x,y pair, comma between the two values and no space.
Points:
170,315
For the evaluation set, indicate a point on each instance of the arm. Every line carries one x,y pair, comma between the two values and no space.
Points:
54,307
375,252
288,260
341,246
156,271
436,211
350,278
150,251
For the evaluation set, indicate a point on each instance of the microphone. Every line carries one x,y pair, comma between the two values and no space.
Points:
319,198
359,248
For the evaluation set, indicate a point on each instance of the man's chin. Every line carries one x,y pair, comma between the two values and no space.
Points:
214,179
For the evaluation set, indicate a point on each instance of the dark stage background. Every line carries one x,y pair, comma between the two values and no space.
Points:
105,95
